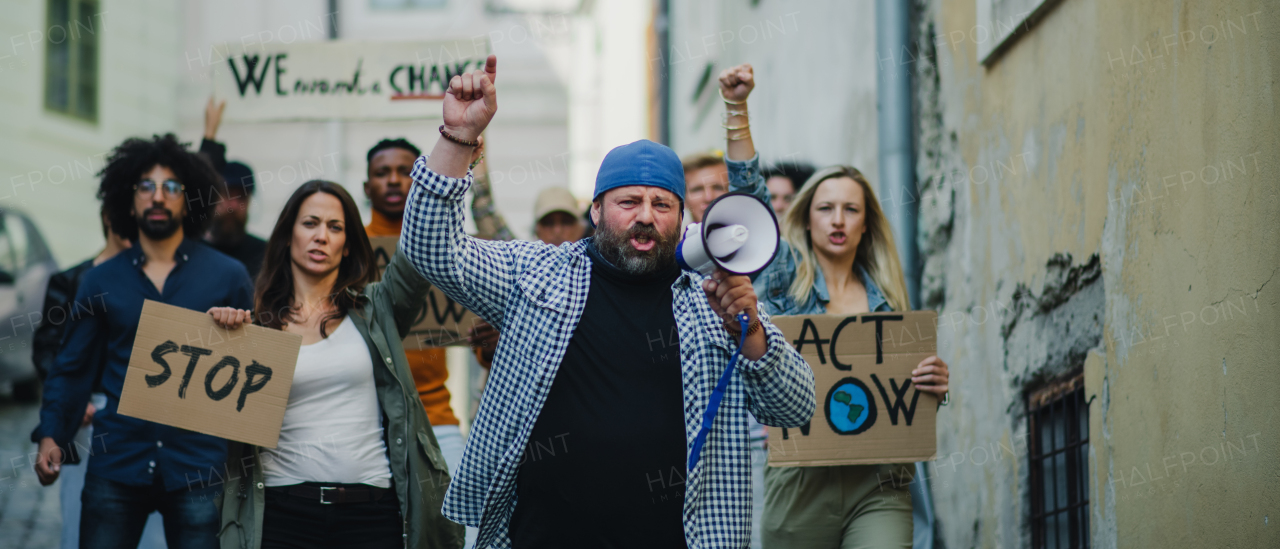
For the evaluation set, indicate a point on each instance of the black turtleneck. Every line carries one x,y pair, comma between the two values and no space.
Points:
605,464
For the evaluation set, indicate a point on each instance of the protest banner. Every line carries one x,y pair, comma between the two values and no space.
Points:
187,372
442,323
867,411
340,80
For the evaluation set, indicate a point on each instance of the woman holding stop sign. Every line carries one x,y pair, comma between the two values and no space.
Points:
837,257
357,464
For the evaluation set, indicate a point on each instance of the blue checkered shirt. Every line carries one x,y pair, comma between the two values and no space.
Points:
534,293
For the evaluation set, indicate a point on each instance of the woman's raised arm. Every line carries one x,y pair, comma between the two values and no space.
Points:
741,158
735,85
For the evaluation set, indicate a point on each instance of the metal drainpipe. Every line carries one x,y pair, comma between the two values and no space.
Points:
897,159
899,196
335,130
332,19
662,24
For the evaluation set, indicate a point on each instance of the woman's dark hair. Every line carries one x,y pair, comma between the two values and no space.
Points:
796,172
273,302
135,157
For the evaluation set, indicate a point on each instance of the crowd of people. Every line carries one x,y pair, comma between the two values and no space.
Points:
601,424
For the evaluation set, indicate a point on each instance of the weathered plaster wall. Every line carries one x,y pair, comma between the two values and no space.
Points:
1105,193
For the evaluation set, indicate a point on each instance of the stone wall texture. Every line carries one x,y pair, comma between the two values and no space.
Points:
1101,195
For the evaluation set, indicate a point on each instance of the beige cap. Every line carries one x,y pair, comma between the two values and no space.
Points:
554,199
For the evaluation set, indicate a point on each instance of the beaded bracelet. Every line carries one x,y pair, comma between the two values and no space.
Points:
459,141
753,328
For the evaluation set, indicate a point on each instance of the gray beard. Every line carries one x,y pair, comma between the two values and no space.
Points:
615,246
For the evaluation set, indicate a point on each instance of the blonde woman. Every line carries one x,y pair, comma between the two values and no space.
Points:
837,257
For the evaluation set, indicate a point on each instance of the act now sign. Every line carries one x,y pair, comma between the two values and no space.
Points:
340,80
868,411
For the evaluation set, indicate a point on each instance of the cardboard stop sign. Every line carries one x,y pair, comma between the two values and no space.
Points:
187,372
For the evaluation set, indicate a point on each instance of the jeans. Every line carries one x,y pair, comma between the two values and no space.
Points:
113,514
290,522
921,509
451,445
71,484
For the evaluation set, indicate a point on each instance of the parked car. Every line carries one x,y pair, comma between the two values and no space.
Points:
25,267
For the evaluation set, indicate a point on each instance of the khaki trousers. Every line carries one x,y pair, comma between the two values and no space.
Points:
845,507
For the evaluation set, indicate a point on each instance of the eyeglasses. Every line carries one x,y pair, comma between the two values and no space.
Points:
171,188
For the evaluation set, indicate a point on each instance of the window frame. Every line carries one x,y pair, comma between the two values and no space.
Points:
1003,22
83,59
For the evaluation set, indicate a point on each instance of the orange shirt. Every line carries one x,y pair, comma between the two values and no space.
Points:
428,365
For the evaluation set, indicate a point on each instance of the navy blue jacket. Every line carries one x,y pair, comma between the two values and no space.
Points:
105,315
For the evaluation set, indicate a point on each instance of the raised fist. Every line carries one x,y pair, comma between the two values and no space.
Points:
471,101
736,83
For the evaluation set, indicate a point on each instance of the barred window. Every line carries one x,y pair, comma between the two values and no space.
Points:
1058,421
71,58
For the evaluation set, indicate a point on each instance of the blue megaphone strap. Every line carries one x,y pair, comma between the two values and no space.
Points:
717,395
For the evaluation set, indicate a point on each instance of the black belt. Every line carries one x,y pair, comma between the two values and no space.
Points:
337,493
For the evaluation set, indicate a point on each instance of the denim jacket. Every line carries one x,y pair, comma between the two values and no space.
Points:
773,284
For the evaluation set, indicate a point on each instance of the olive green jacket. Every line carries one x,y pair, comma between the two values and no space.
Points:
417,466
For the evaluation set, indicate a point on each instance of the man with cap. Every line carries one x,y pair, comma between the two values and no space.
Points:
554,212
591,424
228,233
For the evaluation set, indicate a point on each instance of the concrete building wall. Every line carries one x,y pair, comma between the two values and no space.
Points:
815,96
49,161
1102,195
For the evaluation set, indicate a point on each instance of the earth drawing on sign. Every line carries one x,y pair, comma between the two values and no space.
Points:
848,407
855,410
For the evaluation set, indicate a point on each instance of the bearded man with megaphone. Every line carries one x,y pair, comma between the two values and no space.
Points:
598,423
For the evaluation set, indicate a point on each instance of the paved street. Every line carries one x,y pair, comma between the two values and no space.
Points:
29,516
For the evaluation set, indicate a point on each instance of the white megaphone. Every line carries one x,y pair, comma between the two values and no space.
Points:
738,234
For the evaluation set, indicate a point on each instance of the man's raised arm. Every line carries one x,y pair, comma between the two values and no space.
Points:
477,274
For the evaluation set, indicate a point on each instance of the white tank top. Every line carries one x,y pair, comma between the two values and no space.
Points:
332,428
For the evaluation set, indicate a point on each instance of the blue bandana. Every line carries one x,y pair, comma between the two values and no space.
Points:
641,163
